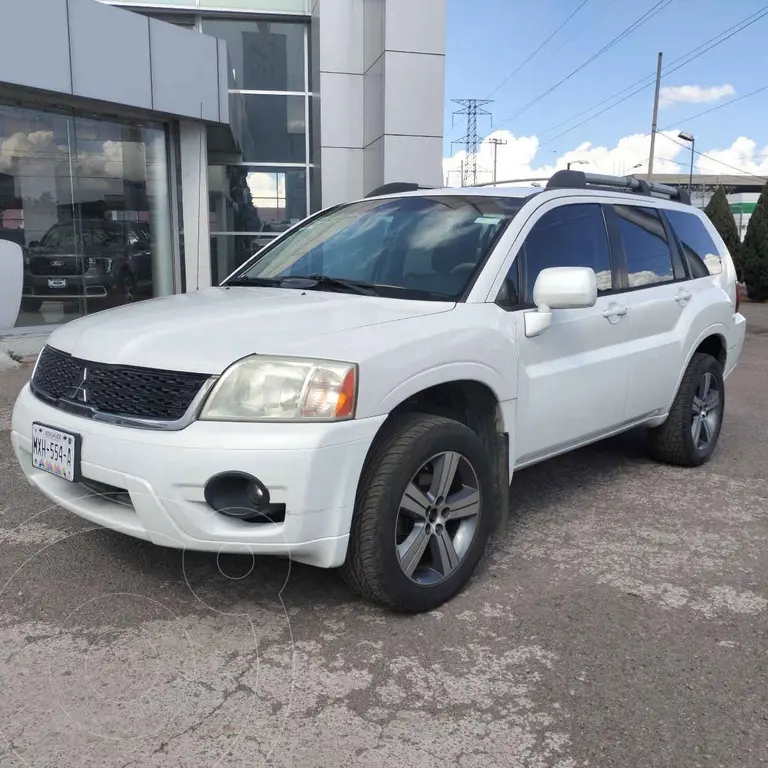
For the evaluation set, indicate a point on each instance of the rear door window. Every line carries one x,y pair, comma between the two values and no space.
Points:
647,252
699,250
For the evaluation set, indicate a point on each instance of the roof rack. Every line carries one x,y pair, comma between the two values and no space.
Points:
395,187
580,180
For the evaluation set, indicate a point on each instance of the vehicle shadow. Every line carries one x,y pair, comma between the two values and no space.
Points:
235,583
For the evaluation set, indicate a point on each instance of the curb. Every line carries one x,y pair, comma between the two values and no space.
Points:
20,350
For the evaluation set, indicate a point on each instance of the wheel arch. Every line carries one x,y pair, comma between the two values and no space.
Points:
711,341
473,403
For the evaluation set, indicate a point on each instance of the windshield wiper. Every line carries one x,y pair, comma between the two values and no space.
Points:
321,281
244,280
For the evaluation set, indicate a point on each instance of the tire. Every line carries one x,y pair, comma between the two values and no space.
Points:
673,441
373,566
31,305
127,288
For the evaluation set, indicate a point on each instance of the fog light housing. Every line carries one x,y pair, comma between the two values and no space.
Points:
243,497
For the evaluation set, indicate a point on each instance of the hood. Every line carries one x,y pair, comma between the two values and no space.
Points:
206,331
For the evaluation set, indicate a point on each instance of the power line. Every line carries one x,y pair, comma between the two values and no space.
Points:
522,64
714,109
763,13
647,16
590,23
715,160
648,80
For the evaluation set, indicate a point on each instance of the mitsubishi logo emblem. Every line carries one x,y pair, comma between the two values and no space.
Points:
79,393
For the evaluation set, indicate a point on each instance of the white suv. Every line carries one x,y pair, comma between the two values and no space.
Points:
360,393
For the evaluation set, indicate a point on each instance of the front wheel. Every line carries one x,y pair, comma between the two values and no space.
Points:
423,514
127,288
689,435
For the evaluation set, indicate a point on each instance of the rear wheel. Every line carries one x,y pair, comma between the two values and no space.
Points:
689,435
423,514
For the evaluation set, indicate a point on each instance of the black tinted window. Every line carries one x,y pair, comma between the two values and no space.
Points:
569,236
699,249
649,260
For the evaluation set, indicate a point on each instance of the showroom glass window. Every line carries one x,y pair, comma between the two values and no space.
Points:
263,189
88,201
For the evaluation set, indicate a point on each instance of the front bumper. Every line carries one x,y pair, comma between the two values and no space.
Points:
95,285
311,468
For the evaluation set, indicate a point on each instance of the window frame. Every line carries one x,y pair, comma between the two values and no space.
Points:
679,270
520,258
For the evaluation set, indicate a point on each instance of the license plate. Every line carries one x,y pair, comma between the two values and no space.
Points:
56,451
57,283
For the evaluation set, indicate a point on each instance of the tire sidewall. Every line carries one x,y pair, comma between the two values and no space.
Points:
406,594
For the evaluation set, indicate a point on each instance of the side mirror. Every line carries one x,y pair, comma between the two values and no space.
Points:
34,244
560,288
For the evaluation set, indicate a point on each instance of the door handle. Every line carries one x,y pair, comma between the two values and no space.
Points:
683,297
615,311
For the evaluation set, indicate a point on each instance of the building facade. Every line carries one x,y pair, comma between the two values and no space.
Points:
149,148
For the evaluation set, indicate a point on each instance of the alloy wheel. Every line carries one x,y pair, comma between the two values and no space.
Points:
706,411
438,518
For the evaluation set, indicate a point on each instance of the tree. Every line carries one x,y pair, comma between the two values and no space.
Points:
755,250
719,212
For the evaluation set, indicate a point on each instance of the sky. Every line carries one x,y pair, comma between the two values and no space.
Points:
491,53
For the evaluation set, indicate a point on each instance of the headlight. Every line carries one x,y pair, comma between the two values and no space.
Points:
261,388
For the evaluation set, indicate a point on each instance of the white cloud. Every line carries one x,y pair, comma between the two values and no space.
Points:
693,94
523,158
743,153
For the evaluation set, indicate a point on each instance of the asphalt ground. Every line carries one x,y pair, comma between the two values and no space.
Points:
620,621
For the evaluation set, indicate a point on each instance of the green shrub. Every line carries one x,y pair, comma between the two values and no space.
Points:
754,257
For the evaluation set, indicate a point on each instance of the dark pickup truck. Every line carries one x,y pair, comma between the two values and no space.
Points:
107,261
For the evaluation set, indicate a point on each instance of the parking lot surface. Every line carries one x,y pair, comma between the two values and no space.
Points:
620,621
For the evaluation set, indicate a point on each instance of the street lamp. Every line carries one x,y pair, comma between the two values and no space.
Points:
633,168
685,136
576,162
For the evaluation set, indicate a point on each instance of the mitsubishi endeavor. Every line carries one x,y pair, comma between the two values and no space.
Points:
360,392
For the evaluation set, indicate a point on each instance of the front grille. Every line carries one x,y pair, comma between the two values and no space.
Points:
118,390
51,266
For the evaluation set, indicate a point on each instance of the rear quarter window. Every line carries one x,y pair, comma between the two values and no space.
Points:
699,250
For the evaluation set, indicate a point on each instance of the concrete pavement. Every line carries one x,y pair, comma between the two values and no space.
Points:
621,621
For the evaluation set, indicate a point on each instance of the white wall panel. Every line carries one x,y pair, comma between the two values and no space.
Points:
414,93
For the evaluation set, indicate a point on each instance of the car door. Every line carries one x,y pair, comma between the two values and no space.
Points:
572,377
657,294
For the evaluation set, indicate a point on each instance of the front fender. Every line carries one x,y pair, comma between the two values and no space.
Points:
464,370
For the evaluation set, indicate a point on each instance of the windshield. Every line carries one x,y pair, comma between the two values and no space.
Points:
59,237
410,247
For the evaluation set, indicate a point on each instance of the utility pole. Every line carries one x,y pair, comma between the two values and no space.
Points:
655,117
471,108
496,144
